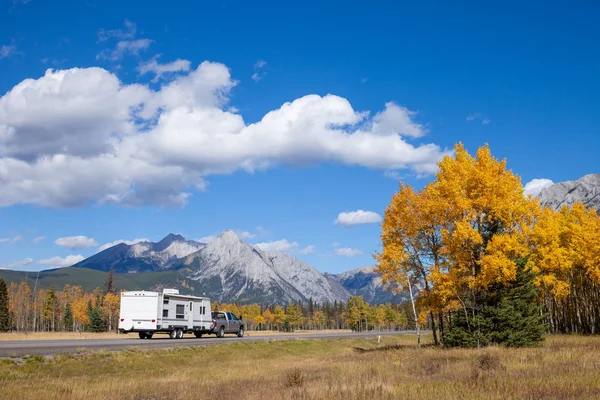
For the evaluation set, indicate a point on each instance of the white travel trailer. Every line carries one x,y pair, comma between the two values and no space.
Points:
168,312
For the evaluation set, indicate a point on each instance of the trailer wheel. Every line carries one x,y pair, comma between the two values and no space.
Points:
173,334
142,335
241,332
198,334
221,332
179,333
149,335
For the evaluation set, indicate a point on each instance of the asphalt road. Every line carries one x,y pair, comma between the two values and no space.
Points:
19,348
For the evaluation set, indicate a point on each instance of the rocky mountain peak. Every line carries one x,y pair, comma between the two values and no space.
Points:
167,241
585,190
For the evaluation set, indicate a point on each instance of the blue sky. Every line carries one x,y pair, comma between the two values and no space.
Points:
130,136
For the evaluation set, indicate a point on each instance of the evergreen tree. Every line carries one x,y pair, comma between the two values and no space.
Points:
4,315
109,285
97,323
510,316
68,318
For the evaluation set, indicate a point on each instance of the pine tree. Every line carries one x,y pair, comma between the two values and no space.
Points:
510,316
68,318
97,323
4,315
109,285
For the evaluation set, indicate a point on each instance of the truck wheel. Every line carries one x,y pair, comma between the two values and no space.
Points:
179,333
198,334
221,332
241,332
142,335
149,335
173,334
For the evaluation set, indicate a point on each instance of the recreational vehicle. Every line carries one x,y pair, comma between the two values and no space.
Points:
168,312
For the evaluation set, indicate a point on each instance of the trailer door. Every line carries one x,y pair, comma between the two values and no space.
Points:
190,315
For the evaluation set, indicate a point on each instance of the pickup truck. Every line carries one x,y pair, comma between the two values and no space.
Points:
226,322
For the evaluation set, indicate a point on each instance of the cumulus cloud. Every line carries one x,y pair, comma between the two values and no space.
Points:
160,70
7,51
348,252
396,119
38,239
80,136
76,242
61,262
277,246
116,242
17,264
535,186
358,217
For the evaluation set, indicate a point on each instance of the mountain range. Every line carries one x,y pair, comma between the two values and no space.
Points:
227,269
585,190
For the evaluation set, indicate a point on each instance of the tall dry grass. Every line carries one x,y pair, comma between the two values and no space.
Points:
563,368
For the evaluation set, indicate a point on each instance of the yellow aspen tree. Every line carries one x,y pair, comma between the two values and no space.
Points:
412,247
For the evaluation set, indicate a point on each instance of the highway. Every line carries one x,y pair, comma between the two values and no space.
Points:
19,348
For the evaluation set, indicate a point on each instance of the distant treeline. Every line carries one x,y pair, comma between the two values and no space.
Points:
24,309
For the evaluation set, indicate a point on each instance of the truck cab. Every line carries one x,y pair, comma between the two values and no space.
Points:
227,322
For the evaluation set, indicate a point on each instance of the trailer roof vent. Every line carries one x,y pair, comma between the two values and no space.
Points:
170,291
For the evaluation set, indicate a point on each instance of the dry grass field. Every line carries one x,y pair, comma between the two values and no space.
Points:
112,335
563,368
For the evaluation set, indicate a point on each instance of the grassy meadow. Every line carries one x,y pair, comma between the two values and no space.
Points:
565,367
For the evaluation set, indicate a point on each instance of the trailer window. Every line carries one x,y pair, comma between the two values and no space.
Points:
165,300
179,311
165,313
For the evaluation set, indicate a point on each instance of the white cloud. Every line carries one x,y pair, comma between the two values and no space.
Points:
80,136
395,175
535,186
259,71
206,239
246,235
116,242
76,242
61,262
160,70
348,252
277,246
128,33
7,51
17,264
307,250
14,239
38,239
396,119
125,47
357,217
478,117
